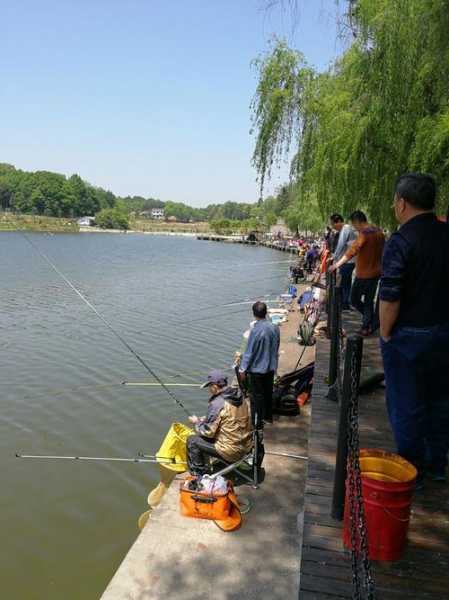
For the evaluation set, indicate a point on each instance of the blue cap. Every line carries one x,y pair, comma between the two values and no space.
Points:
216,377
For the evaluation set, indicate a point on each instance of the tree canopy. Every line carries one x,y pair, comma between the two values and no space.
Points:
53,194
50,194
379,111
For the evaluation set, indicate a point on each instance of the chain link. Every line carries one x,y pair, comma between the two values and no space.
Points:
359,543
337,386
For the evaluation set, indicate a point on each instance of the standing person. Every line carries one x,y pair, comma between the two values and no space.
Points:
311,258
260,362
367,249
414,327
346,237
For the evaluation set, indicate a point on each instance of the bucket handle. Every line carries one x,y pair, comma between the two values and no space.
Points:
390,514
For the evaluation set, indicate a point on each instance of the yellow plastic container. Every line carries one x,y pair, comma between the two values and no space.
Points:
174,446
385,466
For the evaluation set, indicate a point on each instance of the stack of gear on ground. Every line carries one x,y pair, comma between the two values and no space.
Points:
292,390
210,498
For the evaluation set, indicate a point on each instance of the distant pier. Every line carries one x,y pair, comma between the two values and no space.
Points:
281,245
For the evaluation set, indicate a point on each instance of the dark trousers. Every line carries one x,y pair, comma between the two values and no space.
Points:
310,264
346,283
261,385
199,450
416,363
366,289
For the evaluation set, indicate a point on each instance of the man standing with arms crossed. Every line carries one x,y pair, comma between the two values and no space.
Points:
260,362
414,327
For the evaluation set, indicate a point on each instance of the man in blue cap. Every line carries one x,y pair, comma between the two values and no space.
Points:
225,431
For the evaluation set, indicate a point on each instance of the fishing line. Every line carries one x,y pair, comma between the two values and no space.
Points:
234,312
108,325
54,393
228,314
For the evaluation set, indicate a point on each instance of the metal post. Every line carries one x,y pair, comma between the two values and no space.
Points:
329,293
354,348
335,333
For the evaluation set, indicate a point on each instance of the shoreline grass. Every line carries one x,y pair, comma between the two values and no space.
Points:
18,222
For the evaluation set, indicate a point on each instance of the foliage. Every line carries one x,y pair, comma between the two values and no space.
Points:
50,194
381,110
112,218
138,204
183,213
222,226
277,105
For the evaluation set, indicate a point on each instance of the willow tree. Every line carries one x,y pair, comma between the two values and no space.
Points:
380,110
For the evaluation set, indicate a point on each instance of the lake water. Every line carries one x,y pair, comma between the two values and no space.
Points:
66,526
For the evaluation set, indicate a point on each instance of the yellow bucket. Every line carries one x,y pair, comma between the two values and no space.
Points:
385,466
174,446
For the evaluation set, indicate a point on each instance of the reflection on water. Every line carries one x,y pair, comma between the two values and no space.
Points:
67,525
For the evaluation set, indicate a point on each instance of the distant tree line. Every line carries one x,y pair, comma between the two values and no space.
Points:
55,195
50,194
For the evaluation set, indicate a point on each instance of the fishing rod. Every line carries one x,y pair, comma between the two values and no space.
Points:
270,452
100,316
238,300
140,458
151,384
286,455
228,314
149,458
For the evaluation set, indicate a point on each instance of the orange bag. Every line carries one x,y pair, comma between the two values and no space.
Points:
223,509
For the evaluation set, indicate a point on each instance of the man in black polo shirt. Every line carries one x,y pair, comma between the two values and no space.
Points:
414,327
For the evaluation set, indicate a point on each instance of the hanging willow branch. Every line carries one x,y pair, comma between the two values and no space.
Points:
277,105
381,110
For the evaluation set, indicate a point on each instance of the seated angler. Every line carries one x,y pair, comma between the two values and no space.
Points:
225,431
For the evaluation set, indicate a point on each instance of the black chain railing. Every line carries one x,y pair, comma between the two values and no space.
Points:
348,473
352,367
336,339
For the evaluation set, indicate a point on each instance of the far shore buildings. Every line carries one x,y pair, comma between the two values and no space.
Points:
86,221
157,213
280,229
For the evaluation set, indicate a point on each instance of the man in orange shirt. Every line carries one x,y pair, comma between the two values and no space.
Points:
368,250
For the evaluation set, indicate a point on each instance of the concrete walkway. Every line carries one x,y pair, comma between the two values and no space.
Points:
191,559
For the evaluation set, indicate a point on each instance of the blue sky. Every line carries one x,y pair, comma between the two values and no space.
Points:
144,97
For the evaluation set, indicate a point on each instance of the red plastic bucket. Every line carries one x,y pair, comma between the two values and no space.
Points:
388,482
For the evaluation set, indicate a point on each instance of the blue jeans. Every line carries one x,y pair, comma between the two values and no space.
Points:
366,288
416,363
346,283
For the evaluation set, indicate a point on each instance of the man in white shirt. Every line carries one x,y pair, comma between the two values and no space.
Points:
346,236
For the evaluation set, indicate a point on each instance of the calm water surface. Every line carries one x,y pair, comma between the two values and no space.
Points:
67,525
